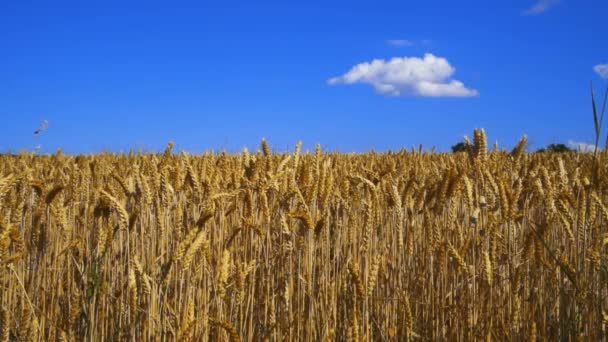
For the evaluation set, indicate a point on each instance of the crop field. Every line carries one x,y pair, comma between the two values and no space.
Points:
487,244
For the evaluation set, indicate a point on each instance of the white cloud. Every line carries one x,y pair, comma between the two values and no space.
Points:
428,77
602,70
399,42
541,6
581,146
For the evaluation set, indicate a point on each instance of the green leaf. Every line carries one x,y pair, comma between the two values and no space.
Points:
604,105
596,123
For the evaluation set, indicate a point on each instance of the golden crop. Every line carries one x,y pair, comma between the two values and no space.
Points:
304,247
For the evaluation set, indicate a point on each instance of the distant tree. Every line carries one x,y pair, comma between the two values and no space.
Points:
558,148
460,147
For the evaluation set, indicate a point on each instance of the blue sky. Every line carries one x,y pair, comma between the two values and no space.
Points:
116,75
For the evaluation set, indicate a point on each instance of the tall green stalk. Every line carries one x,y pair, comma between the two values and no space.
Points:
597,124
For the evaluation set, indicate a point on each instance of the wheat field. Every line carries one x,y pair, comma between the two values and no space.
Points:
397,246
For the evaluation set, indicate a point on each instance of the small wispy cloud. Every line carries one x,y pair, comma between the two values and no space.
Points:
581,146
399,42
602,70
541,6
426,77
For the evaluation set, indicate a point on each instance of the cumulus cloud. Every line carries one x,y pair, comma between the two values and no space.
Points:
602,70
428,77
540,6
399,42
581,146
